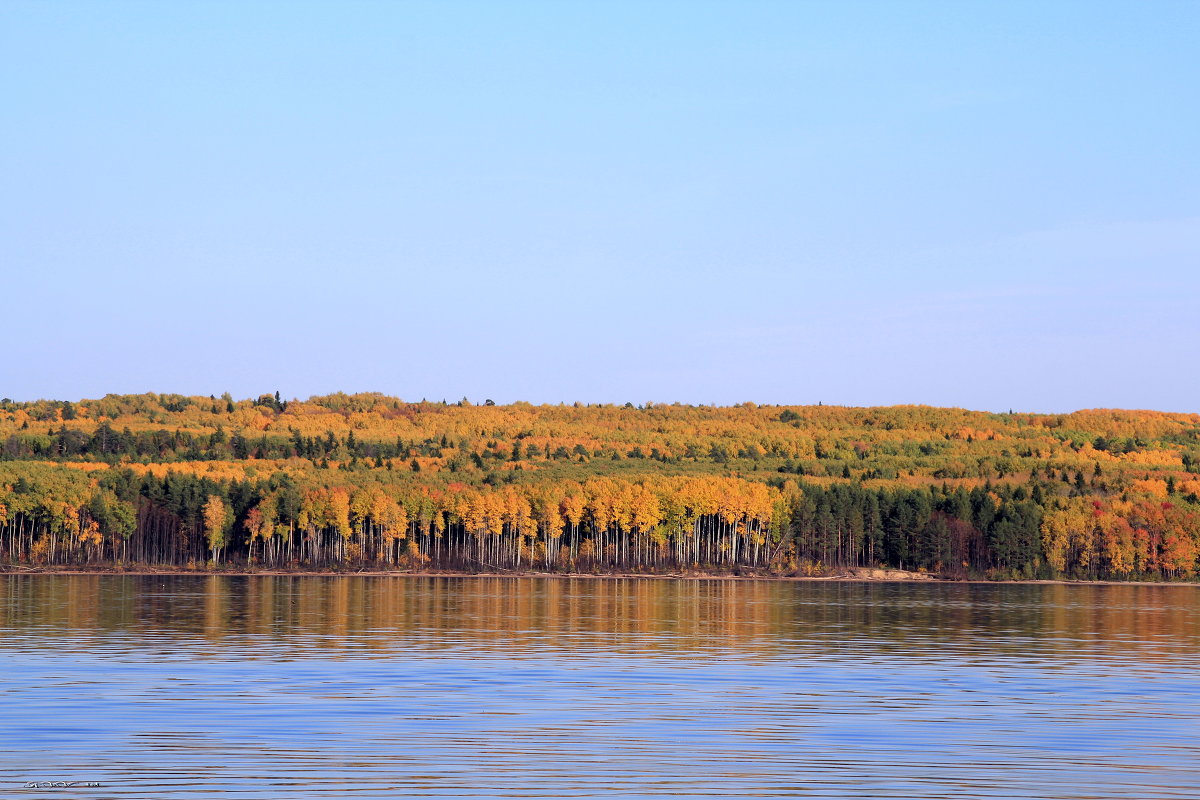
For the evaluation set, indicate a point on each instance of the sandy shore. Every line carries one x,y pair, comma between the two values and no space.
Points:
863,575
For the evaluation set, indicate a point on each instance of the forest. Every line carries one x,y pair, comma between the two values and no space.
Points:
370,482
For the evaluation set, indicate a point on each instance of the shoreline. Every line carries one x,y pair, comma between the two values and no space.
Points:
853,576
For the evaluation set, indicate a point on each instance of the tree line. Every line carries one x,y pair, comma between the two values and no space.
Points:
50,515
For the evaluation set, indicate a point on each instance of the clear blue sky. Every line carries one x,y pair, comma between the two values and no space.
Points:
989,205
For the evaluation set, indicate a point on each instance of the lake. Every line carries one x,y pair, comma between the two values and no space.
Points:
265,687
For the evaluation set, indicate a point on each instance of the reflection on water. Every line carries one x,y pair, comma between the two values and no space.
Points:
392,686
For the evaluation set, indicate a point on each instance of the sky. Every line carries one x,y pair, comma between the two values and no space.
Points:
983,205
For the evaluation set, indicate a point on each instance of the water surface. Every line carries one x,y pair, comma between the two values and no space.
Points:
262,687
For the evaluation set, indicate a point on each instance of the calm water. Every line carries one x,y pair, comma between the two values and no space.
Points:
396,687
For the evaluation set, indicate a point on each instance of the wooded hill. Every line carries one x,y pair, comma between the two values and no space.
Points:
372,481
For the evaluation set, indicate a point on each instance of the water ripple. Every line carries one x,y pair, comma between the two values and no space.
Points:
377,687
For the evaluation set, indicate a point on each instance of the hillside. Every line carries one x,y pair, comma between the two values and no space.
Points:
354,480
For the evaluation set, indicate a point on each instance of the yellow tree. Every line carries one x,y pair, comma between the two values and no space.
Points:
573,506
261,523
548,512
1065,530
391,519
216,525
